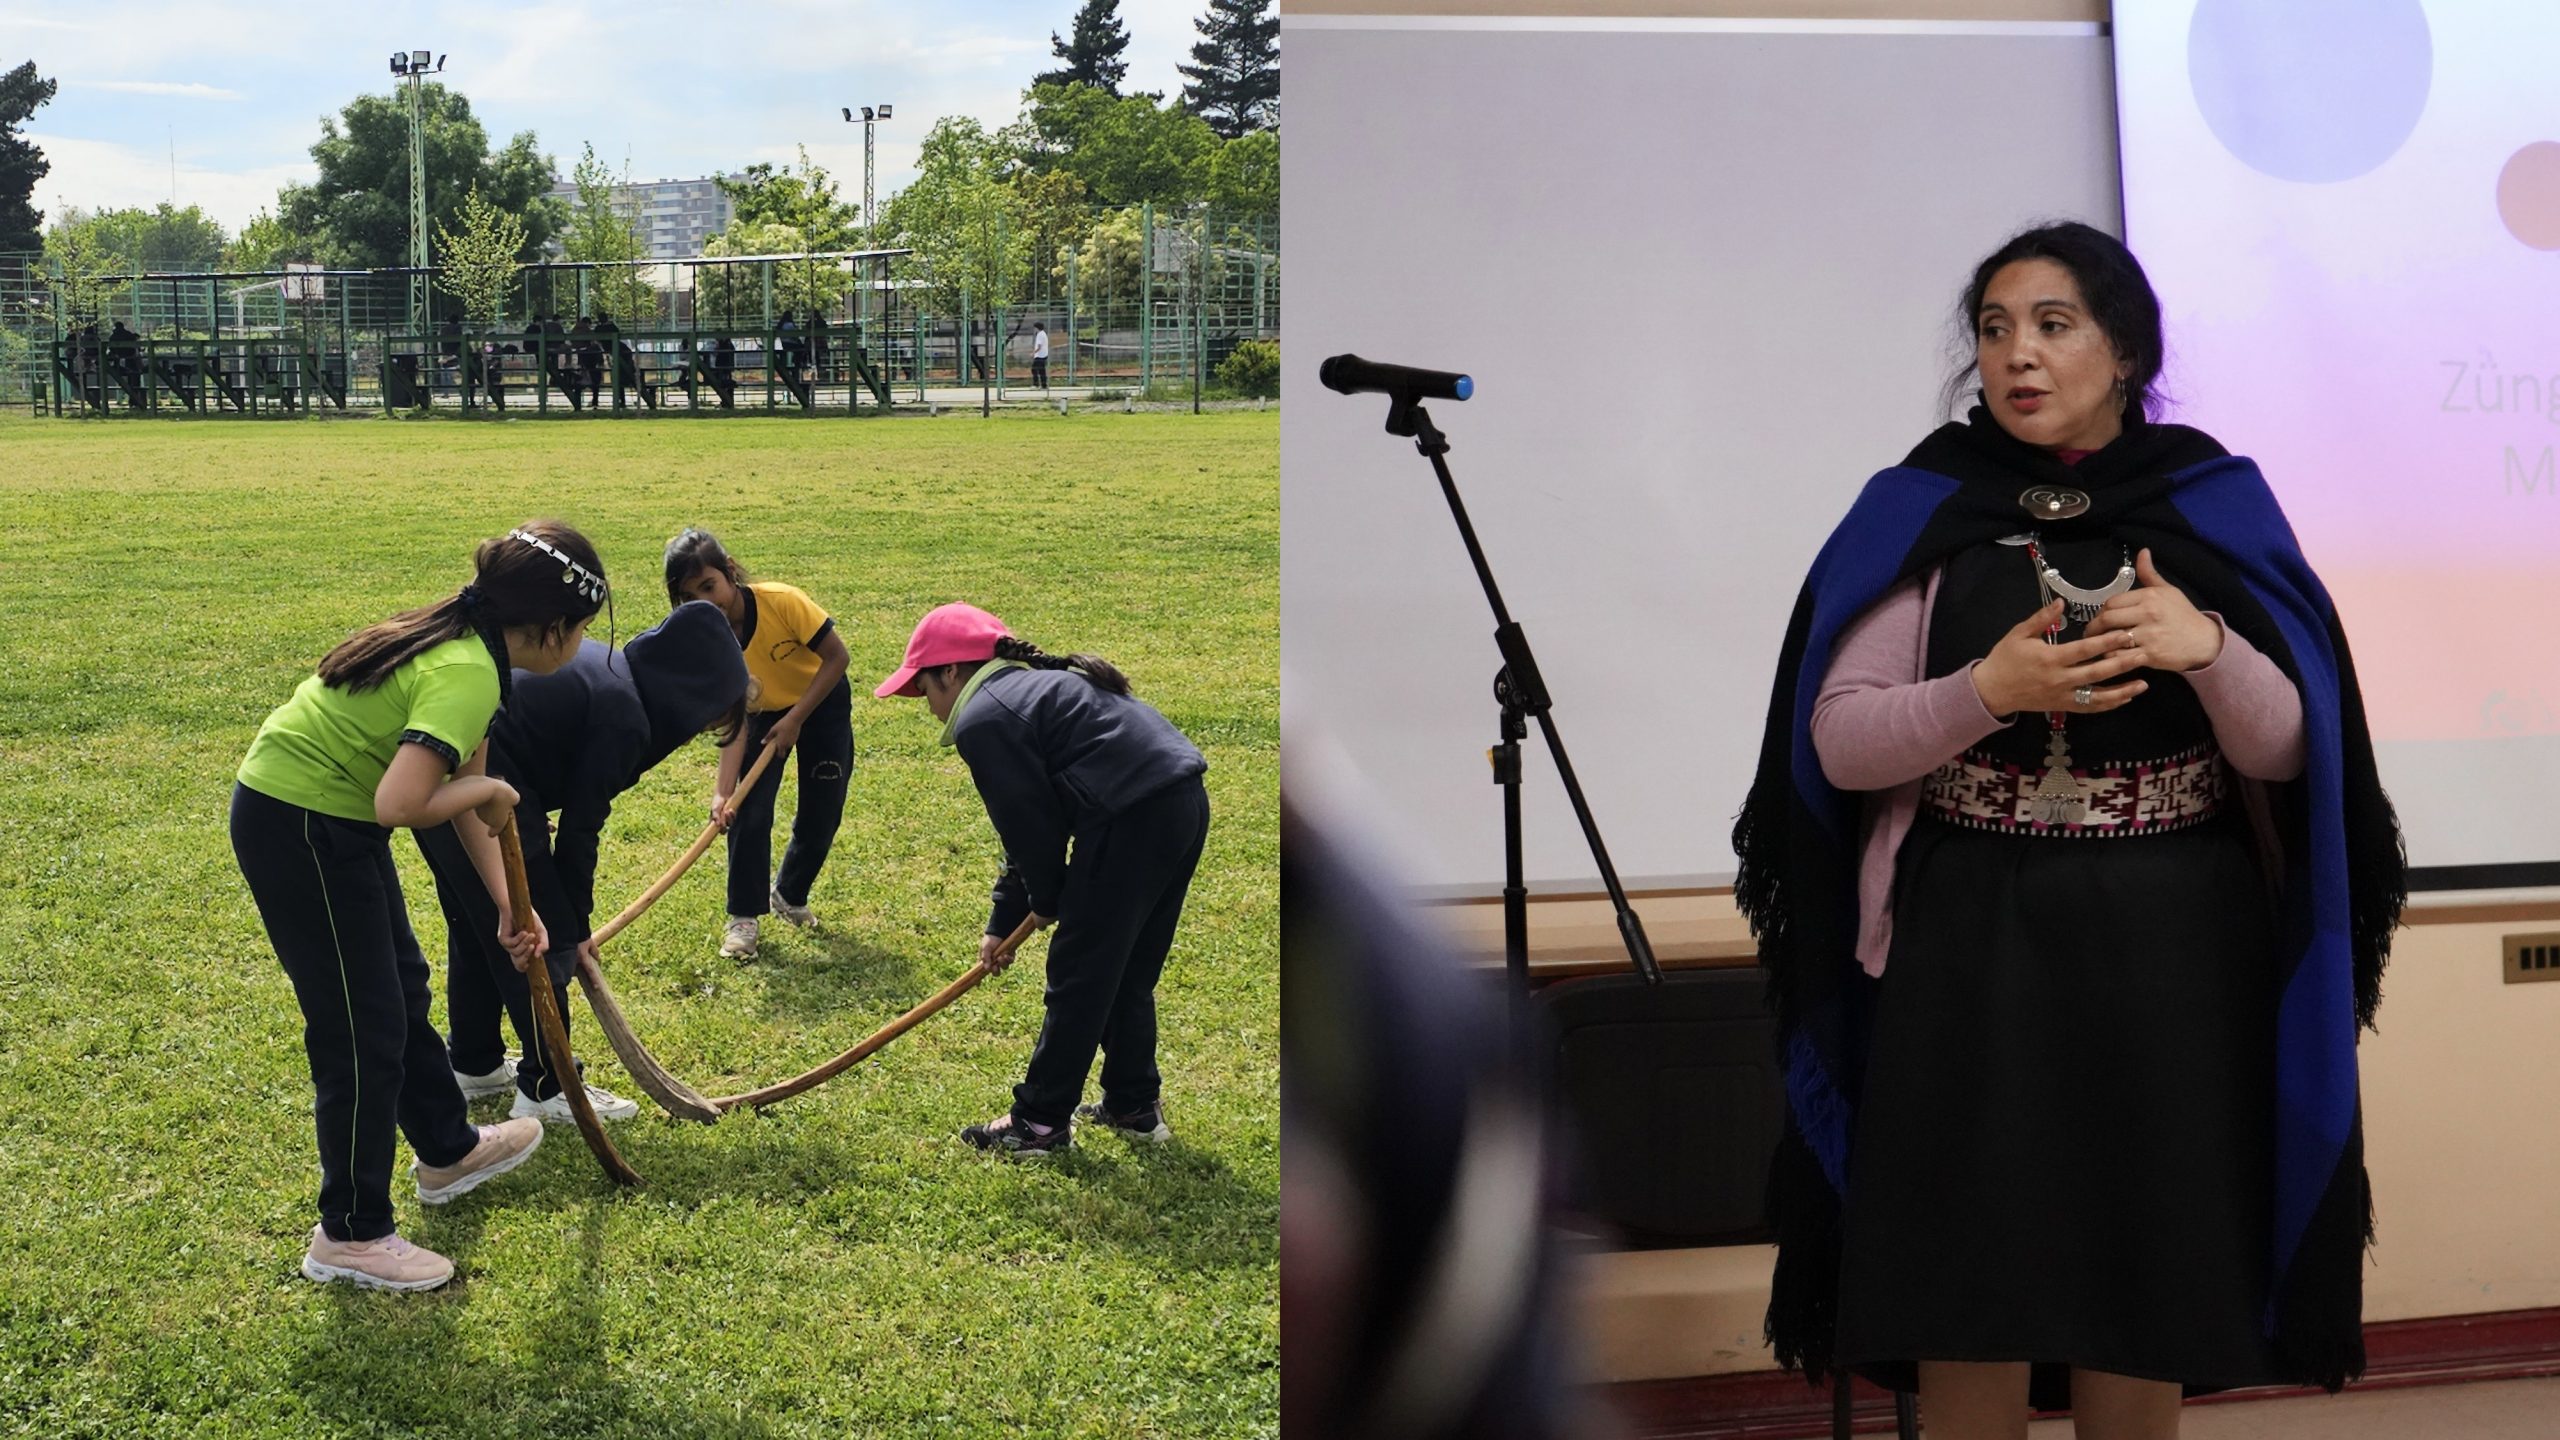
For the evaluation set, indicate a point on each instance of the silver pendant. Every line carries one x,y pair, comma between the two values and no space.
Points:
2057,797
2083,605
2023,537
2054,502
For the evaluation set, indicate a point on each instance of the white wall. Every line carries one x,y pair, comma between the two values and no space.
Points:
1702,273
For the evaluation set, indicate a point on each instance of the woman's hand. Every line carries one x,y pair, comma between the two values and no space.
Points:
785,731
721,808
522,946
501,803
2022,672
2162,620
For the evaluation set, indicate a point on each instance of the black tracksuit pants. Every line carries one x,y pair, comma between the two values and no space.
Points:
481,980
826,772
1123,895
330,897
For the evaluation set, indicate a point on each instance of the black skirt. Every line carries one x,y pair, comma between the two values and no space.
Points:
2062,1152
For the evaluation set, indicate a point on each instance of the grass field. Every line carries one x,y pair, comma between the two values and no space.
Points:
840,1265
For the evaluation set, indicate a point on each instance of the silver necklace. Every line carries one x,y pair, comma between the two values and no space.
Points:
2082,605
2058,797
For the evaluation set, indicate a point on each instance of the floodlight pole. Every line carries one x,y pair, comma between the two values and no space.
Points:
417,208
417,72
870,215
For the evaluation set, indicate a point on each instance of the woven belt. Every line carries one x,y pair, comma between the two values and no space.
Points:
2143,797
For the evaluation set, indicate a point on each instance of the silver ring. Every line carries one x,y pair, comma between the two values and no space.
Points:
2082,696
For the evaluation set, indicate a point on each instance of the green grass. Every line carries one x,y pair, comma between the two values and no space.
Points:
840,1265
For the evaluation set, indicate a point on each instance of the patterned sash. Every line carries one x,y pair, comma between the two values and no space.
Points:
2142,797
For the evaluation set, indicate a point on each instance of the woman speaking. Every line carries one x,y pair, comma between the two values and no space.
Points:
2073,879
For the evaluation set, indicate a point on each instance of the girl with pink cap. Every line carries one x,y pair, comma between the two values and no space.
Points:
1100,805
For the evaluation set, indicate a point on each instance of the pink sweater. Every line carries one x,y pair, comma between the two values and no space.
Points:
1881,726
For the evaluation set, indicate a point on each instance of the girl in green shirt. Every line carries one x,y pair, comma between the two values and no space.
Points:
390,733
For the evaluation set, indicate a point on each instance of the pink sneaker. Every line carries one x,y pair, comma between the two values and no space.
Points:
389,1263
502,1148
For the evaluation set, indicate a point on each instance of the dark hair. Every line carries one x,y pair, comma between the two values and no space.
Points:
514,583
1101,672
697,549
2119,297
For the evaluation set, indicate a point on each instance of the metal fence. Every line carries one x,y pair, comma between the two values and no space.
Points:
1136,300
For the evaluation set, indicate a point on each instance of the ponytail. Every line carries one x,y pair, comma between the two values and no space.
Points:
1101,672
367,658
542,573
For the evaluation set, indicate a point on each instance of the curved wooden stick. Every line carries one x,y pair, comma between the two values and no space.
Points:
673,1095
654,1079
556,1059
675,872
891,1031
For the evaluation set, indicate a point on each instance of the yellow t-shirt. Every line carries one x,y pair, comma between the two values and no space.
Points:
783,629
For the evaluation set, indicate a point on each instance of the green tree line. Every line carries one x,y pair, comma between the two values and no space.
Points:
990,212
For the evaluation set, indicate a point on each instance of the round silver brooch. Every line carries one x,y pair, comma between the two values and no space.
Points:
2054,502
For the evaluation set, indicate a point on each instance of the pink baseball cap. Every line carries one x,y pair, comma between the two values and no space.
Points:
947,635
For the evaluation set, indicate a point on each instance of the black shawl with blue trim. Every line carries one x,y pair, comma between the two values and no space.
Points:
2216,530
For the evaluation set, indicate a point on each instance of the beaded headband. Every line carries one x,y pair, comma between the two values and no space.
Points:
589,583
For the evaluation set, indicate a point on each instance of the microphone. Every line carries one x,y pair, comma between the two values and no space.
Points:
1353,376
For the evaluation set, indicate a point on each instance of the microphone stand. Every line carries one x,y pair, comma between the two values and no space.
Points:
1521,693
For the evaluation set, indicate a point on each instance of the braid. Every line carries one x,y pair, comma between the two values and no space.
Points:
495,637
1101,672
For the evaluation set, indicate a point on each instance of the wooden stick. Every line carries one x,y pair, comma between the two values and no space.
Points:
673,1095
666,882
654,1079
556,1059
891,1031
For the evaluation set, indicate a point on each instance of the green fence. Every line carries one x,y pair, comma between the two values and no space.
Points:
1133,300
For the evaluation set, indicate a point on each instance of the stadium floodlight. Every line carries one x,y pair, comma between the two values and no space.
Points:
399,62
848,112
870,216
440,64
418,58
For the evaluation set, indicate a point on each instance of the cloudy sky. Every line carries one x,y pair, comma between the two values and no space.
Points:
219,101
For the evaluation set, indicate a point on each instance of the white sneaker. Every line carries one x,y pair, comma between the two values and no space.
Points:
738,942
800,915
556,1111
496,1082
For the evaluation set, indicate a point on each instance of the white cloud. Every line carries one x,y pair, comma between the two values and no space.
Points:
103,175
678,88
187,88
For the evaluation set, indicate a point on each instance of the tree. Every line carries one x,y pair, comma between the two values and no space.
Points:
1235,70
1107,264
1093,51
806,201
735,293
357,211
161,239
265,243
1125,149
1244,176
478,260
607,232
1055,218
965,224
22,92
85,275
